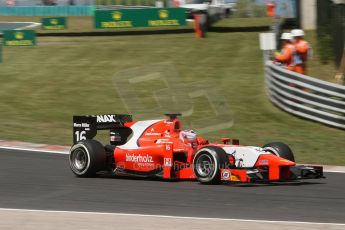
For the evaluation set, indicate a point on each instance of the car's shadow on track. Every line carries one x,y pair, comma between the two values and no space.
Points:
286,183
137,178
246,185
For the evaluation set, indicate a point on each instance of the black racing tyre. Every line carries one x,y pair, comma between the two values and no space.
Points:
207,164
280,149
87,157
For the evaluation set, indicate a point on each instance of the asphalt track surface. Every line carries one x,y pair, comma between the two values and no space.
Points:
32,180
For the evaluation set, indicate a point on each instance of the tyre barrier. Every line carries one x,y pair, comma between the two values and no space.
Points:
305,96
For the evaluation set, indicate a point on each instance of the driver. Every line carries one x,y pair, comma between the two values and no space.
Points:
189,137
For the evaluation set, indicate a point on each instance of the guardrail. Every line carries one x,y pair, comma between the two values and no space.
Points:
305,96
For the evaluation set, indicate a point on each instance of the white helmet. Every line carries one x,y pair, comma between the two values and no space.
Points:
286,36
188,134
297,33
189,137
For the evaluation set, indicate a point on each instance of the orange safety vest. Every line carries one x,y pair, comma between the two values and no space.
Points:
302,48
286,56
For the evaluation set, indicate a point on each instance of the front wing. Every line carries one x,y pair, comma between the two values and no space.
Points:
266,174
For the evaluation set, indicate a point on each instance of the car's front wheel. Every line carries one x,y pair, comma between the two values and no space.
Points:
280,149
207,164
87,157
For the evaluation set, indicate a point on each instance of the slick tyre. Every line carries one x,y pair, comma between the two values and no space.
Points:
207,164
87,157
281,150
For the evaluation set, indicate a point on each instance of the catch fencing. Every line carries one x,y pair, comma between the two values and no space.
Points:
305,96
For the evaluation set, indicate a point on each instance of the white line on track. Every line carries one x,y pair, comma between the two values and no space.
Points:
33,150
172,217
66,153
333,171
31,25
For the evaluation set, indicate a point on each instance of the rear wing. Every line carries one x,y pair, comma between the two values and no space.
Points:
85,127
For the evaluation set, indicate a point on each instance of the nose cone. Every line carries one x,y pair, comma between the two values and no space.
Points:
273,160
284,162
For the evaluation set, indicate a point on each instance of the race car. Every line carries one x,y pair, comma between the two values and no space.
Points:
161,148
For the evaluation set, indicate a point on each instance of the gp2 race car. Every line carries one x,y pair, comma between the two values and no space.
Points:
160,148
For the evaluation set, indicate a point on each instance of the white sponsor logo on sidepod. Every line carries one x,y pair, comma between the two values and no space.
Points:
139,158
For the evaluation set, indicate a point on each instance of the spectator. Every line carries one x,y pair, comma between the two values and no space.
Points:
302,48
285,57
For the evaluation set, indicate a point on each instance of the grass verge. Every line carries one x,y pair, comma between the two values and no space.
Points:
43,86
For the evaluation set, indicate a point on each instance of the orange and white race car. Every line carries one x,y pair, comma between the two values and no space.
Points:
160,148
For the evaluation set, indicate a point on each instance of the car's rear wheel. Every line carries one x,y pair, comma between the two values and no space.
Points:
280,149
207,164
87,157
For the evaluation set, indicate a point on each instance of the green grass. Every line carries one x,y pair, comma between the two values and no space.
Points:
316,68
85,24
43,86
244,22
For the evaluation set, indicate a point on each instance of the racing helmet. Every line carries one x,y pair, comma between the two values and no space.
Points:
286,36
189,137
297,33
